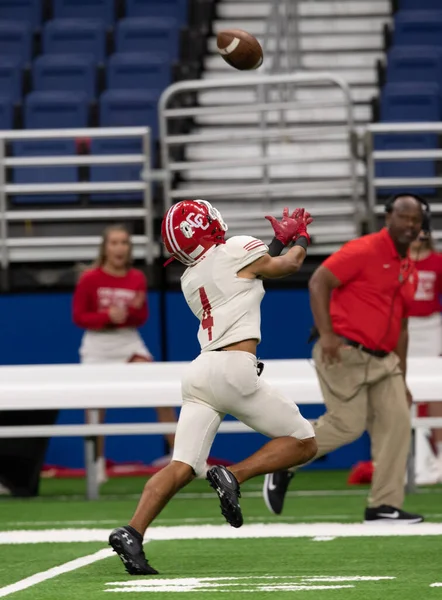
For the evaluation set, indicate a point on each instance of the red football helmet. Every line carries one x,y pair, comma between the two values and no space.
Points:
190,228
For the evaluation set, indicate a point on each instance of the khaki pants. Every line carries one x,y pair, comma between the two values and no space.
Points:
367,393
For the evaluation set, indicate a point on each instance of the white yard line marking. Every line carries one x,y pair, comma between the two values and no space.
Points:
165,521
198,521
54,572
252,583
300,588
216,588
189,532
436,585
350,578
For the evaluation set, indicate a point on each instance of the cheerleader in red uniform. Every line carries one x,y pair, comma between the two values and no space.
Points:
110,303
425,339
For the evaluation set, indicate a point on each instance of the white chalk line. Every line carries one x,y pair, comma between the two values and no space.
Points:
262,530
251,583
191,580
356,516
54,572
174,521
281,530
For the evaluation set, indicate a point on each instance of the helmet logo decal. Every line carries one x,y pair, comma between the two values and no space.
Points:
186,229
197,221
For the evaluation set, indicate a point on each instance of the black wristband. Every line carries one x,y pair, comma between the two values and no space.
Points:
276,247
302,241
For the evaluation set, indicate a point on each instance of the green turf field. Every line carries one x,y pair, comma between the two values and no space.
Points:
54,546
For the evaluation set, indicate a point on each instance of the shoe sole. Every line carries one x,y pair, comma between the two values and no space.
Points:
265,495
394,521
129,564
227,506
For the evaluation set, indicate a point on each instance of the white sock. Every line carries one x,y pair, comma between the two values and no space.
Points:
439,448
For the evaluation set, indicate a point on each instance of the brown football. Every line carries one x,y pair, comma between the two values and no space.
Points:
240,49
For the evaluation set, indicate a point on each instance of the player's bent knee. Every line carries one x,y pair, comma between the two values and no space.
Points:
302,450
182,472
309,448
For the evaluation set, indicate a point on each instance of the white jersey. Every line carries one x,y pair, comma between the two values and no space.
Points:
228,306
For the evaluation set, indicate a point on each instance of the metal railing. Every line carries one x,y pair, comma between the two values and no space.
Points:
72,247
268,186
375,157
94,387
282,25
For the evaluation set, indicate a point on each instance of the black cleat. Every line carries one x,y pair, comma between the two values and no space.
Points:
388,514
225,485
130,549
275,489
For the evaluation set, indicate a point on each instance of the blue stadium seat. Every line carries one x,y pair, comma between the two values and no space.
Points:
21,10
405,102
26,175
116,173
69,36
414,63
6,113
129,108
409,168
56,110
148,35
15,40
11,77
102,10
418,28
158,8
420,4
65,72
138,70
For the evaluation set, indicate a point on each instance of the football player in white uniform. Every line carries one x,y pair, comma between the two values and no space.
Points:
223,288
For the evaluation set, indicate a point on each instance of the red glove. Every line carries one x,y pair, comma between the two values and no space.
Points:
303,219
290,228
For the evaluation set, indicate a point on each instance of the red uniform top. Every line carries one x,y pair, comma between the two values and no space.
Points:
427,300
97,291
377,289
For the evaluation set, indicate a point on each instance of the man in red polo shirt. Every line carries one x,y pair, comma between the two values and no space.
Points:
359,298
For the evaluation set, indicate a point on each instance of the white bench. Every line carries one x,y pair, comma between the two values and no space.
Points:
158,384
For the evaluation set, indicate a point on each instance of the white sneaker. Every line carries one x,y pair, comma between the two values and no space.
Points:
427,468
100,466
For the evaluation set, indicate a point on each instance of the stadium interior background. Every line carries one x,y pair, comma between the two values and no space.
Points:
47,82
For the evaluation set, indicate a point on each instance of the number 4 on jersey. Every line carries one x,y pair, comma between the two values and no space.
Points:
207,319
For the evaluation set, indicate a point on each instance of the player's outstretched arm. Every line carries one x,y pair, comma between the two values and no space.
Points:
269,267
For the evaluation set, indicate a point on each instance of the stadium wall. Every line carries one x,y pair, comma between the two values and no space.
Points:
37,329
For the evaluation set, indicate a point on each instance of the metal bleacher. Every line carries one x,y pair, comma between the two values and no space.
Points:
403,149
256,147
79,86
295,132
